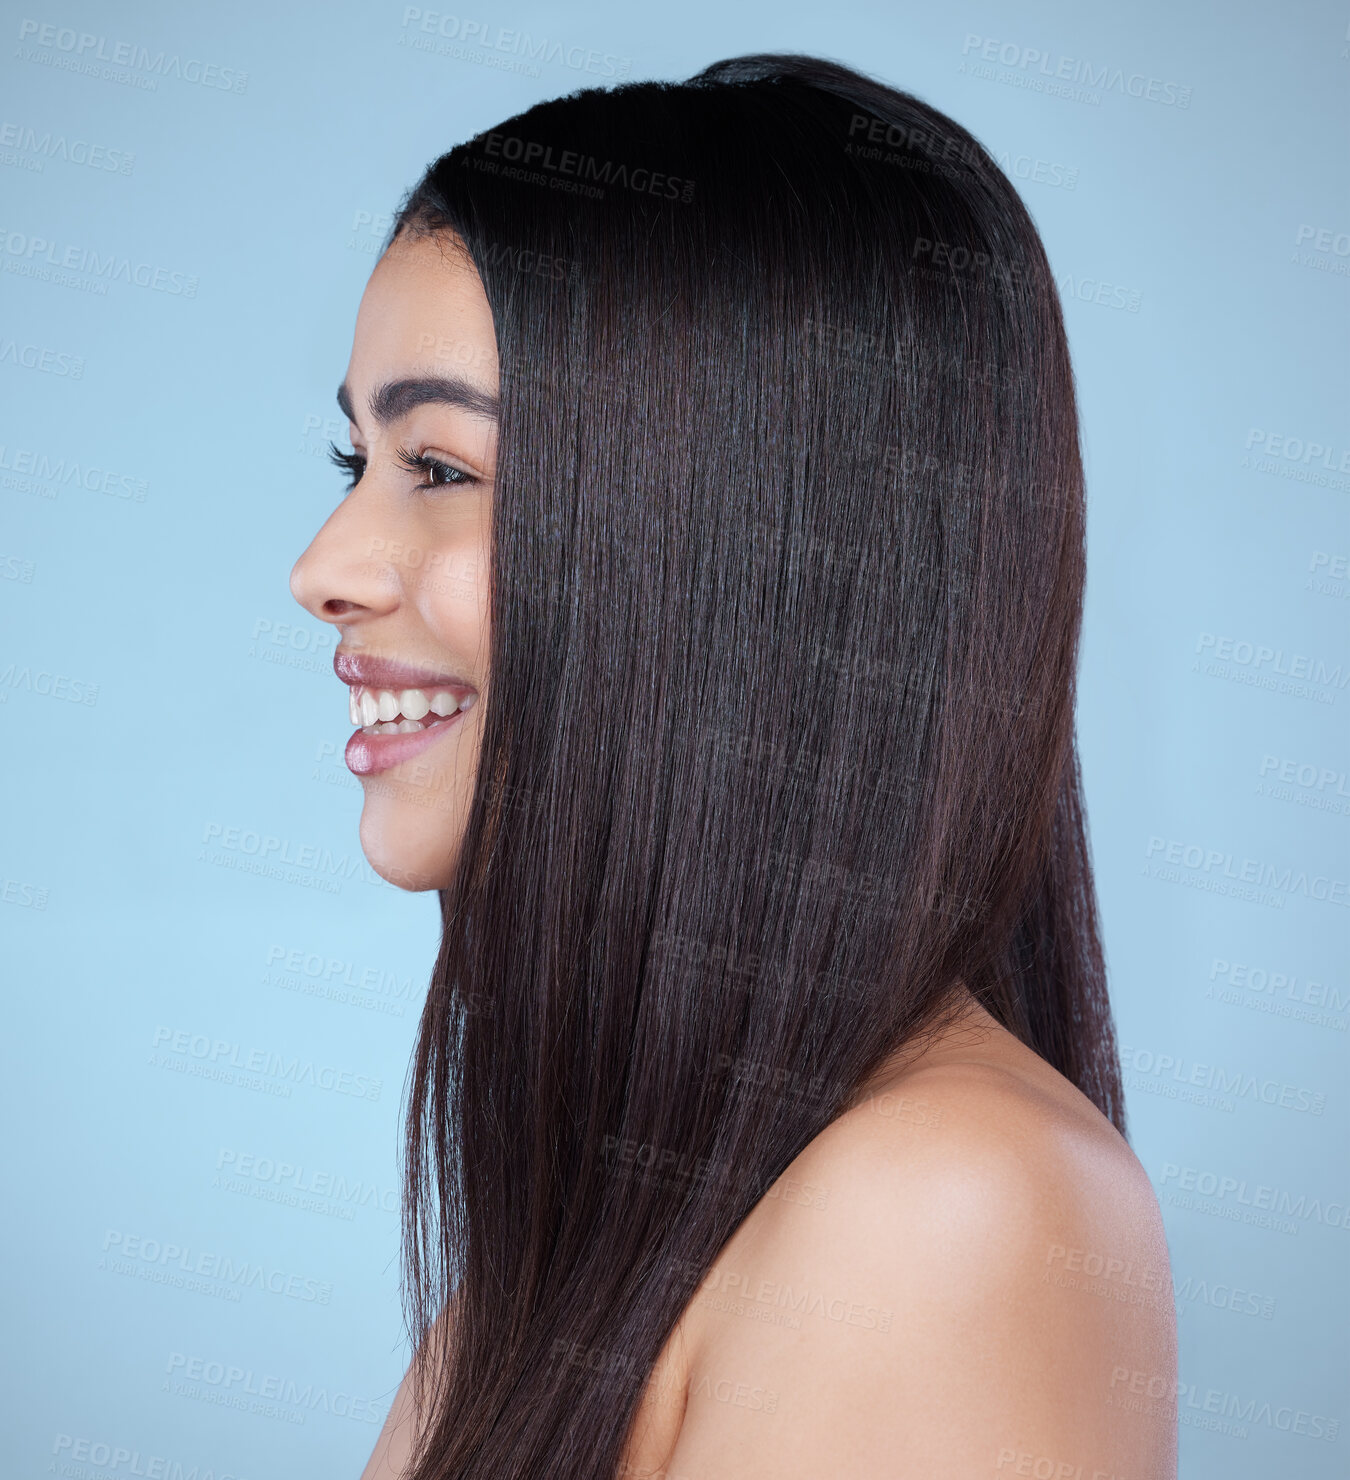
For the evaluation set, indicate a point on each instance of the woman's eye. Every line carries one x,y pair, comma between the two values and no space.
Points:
437,474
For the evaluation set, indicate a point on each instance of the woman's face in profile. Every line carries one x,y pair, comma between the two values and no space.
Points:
401,566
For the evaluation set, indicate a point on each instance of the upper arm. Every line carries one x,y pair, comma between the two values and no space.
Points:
392,1455
987,1295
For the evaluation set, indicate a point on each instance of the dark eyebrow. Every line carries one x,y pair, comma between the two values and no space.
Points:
396,398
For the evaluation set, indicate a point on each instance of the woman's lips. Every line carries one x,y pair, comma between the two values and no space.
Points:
369,752
356,668
400,709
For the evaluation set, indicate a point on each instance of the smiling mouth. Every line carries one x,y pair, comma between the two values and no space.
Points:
403,711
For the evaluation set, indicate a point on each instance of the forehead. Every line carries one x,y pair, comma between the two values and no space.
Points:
423,311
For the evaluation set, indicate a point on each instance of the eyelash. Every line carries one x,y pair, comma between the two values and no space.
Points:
354,465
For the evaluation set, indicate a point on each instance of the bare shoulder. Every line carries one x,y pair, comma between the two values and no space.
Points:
966,1274
391,1459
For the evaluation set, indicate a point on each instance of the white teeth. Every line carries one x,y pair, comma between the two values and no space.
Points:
382,711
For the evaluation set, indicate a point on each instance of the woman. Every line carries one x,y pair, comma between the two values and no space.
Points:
709,592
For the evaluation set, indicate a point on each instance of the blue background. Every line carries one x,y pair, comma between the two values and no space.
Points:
170,715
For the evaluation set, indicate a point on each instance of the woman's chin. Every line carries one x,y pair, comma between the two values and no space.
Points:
410,852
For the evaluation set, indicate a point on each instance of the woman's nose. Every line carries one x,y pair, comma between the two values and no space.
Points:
343,575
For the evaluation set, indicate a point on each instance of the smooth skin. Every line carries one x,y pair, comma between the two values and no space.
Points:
401,570
966,1274
919,1302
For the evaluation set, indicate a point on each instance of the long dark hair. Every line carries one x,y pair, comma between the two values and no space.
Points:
787,572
